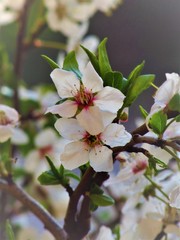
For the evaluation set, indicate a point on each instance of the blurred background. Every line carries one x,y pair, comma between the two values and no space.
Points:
138,30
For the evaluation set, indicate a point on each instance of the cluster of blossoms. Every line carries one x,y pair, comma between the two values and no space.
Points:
88,110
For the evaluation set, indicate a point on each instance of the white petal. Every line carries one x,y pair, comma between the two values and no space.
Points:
70,128
171,228
91,120
82,12
168,89
109,99
65,109
105,233
101,159
46,137
10,113
5,133
19,137
66,82
91,80
107,117
174,197
75,155
115,135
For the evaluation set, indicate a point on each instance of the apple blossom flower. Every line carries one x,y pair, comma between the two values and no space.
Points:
64,16
86,99
135,166
46,143
8,120
9,10
106,5
86,148
164,94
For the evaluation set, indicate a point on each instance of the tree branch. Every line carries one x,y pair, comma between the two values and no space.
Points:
49,222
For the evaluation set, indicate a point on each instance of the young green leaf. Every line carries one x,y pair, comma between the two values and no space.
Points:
101,200
51,63
136,72
139,84
93,59
71,64
53,168
113,79
177,118
158,122
144,113
9,231
48,178
104,64
174,104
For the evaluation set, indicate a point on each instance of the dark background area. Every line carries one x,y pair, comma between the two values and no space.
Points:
138,30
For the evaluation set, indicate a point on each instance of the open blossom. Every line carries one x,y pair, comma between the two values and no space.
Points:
68,17
86,148
86,98
9,10
165,93
135,166
8,120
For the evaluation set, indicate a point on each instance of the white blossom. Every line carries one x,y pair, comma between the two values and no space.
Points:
9,118
86,148
88,96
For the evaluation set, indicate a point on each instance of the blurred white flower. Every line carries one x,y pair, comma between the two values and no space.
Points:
174,197
104,233
90,148
9,10
62,16
47,143
91,42
9,118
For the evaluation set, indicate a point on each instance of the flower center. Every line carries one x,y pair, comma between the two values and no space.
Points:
3,118
139,166
84,98
45,150
92,140
61,11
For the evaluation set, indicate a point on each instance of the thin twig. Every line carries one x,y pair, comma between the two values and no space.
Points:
49,222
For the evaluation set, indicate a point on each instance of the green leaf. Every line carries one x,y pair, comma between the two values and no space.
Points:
101,200
71,175
93,59
177,118
95,189
138,85
174,104
9,231
52,64
116,232
113,79
71,64
136,72
53,168
158,122
103,59
48,178
144,113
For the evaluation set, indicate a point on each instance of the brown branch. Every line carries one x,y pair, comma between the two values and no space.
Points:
49,222
19,49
